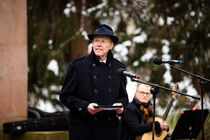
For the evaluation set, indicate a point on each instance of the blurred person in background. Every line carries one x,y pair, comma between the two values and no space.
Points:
138,116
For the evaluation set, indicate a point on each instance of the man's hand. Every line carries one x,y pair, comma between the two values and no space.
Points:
120,110
92,110
163,124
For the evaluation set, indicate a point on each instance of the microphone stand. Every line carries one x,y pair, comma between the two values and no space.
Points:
154,90
203,81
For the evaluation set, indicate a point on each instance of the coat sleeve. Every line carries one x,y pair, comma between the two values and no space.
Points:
123,96
68,94
132,121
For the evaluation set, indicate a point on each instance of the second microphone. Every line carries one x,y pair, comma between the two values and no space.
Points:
122,71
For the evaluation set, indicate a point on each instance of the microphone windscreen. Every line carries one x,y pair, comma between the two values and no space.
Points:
157,60
120,71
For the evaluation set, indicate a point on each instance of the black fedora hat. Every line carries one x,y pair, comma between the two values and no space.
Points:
104,30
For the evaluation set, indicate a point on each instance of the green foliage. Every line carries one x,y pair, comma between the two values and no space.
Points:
187,34
48,28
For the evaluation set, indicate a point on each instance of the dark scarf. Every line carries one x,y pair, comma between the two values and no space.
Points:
145,109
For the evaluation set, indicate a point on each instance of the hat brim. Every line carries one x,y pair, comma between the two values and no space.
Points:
115,39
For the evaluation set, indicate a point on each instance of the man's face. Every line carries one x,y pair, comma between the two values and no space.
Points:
101,46
143,93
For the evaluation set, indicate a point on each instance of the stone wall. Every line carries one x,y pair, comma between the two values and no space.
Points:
13,60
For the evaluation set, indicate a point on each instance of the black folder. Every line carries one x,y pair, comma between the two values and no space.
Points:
108,107
189,124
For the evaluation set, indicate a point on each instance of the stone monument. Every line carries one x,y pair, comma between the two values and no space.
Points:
13,61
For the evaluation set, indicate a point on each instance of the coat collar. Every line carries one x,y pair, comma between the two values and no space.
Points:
95,59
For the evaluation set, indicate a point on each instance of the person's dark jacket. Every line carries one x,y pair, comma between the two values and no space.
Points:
132,125
89,81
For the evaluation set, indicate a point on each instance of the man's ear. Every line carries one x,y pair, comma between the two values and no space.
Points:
112,45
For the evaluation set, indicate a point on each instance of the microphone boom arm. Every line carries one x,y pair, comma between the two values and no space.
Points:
168,89
196,76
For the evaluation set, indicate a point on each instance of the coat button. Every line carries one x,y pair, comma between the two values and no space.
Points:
109,77
80,109
110,64
94,65
94,77
109,118
95,90
109,90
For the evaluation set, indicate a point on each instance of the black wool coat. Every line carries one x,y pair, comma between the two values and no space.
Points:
132,125
89,81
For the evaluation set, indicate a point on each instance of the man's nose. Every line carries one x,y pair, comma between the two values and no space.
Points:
100,43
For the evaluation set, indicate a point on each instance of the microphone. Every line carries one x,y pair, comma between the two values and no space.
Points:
159,61
121,71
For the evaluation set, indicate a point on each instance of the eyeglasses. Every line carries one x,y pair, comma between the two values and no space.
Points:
145,93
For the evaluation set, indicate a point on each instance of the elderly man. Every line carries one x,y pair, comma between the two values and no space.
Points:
137,114
92,81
